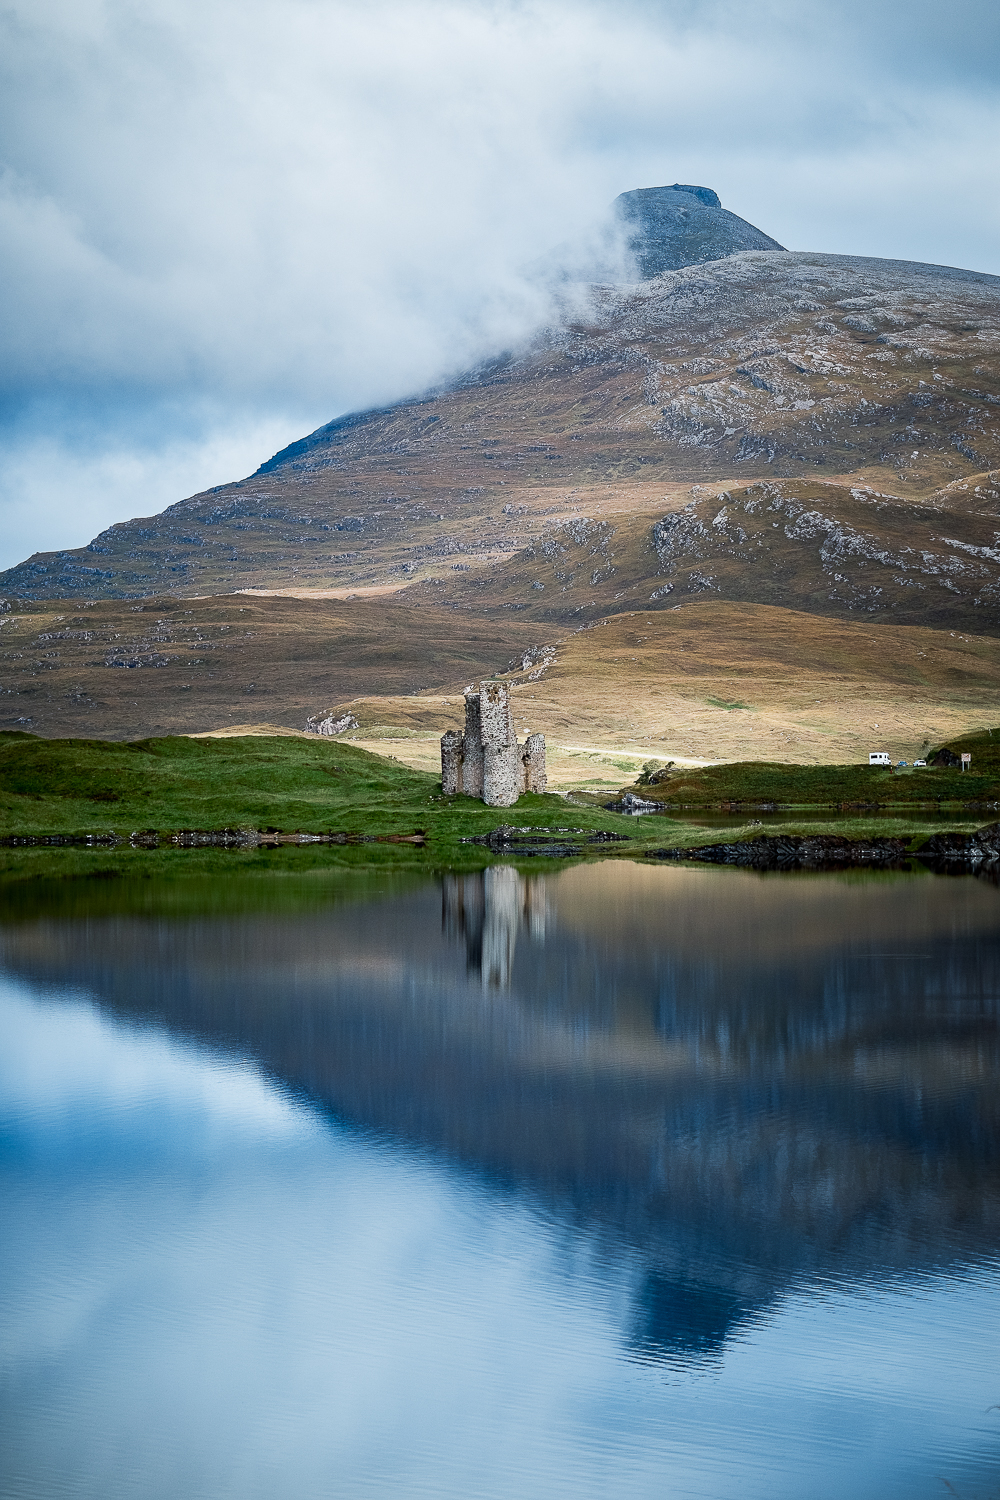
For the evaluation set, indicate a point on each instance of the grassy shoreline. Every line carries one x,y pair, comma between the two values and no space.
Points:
382,815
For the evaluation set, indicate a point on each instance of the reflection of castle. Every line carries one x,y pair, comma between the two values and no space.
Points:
486,911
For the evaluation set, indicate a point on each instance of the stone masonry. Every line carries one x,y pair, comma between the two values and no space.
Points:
486,761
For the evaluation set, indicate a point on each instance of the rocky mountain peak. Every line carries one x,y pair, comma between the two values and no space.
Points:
683,225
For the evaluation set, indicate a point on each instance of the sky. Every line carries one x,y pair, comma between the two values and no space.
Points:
224,222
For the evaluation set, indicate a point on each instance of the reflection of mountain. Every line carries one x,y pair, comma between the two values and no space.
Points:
685,1318
745,1080
486,911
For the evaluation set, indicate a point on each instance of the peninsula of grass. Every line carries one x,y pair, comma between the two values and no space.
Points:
280,785
852,789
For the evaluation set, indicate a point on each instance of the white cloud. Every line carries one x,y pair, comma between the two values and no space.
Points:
311,205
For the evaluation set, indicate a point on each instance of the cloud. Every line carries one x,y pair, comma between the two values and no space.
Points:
60,486
278,211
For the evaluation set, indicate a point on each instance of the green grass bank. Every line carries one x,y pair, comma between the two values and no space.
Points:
280,784
94,789
761,783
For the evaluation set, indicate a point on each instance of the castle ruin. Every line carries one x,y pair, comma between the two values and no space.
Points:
486,761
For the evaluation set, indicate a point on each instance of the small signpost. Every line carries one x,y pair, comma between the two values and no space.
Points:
966,759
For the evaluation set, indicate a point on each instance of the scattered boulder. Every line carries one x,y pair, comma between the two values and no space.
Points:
553,843
630,803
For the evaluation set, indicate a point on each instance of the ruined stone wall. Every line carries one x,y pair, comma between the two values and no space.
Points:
452,746
486,761
533,774
472,758
501,761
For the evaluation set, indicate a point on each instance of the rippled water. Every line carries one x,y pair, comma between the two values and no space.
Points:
618,1182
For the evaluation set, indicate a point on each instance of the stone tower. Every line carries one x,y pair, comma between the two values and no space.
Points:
486,761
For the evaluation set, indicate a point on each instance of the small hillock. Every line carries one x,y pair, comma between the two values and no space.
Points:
984,749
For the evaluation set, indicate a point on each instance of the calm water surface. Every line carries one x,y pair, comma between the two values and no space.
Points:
617,1182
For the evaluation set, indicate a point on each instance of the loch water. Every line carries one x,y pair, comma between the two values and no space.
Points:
619,1181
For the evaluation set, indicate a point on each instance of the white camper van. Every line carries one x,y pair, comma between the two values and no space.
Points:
879,758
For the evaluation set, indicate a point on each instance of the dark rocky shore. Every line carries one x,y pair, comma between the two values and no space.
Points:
821,851
827,851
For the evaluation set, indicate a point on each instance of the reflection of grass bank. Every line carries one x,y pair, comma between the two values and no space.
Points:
216,873
168,883
798,823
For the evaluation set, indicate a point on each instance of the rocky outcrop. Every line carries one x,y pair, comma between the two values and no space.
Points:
550,843
977,848
487,761
330,724
945,757
806,544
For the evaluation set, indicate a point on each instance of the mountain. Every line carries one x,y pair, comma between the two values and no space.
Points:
770,430
765,366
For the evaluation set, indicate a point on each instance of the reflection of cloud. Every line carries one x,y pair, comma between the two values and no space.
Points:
59,1060
487,911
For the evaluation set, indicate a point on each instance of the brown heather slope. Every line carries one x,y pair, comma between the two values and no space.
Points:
718,681
763,366
709,680
172,666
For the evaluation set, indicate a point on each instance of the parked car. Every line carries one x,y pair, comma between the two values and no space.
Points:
902,763
919,763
